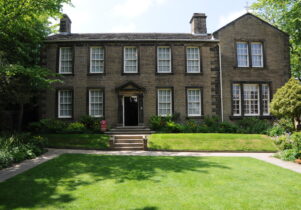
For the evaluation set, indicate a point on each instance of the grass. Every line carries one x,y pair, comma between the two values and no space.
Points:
74,181
78,141
212,142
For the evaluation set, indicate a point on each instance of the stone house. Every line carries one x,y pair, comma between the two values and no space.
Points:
128,77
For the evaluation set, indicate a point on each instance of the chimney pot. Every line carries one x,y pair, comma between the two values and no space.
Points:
198,23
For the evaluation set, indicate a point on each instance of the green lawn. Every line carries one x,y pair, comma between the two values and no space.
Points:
78,141
211,142
136,182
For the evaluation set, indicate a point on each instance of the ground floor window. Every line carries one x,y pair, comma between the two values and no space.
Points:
65,103
96,102
164,99
194,102
249,99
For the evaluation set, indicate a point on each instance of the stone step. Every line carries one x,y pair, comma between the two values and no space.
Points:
131,127
120,132
134,145
129,137
129,141
128,148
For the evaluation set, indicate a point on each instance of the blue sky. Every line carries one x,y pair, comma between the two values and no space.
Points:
102,16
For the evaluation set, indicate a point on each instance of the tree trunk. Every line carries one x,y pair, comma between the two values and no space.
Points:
20,117
298,125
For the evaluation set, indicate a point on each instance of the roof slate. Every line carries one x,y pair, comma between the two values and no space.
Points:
129,37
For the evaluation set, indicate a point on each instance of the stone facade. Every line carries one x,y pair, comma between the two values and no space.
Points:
145,83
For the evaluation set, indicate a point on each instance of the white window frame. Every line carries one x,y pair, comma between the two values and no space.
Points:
124,59
194,102
60,60
159,59
158,102
196,59
266,99
245,86
238,99
90,103
247,55
101,59
261,54
59,104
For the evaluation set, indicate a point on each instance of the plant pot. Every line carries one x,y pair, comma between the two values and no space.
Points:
298,161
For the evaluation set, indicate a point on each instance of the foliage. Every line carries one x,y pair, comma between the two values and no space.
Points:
24,24
288,154
252,125
286,15
289,146
286,102
18,147
276,130
76,127
48,126
91,123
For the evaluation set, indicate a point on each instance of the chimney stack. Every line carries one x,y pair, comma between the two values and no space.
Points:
198,23
65,25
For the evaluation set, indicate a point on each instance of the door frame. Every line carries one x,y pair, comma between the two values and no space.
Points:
123,109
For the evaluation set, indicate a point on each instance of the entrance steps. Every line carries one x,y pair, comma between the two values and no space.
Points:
128,142
129,130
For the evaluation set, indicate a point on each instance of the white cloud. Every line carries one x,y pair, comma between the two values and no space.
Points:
135,8
131,27
224,20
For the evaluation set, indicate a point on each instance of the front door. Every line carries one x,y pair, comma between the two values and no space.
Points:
130,110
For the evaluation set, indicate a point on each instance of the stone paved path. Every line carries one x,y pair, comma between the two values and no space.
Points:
52,153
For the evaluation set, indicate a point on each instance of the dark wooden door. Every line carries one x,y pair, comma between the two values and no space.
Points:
130,111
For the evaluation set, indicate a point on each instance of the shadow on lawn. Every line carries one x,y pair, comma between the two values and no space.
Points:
38,187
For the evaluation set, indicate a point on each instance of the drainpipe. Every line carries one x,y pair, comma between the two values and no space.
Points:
221,81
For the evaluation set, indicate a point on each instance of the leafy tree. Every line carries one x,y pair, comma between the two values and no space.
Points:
18,85
286,15
24,24
286,102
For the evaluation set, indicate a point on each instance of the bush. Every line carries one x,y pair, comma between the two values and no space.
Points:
289,154
76,127
48,126
296,141
253,125
276,130
18,147
227,127
92,124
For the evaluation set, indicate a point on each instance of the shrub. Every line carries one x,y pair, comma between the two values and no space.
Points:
296,141
253,125
92,124
289,154
227,127
276,130
76,127
48,126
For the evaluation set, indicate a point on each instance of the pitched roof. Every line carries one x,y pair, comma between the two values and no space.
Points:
250,14
129,37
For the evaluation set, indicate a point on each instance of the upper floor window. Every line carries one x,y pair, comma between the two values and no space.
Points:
66,60
96,103
193,60
255,56
164,101
164,60
65,103
252,98
96,60
242,54
130,60
194,102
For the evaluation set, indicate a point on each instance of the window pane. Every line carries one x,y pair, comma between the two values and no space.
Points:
65,60
251,99
242,54
193,59
97,60
65,104
164,59
194,102
164,102
257,55
130,60
236,100
96,103
266,99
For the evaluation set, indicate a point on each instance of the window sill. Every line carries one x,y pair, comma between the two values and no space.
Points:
193,74
66,74
194,117
249,68
137,73
160,74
